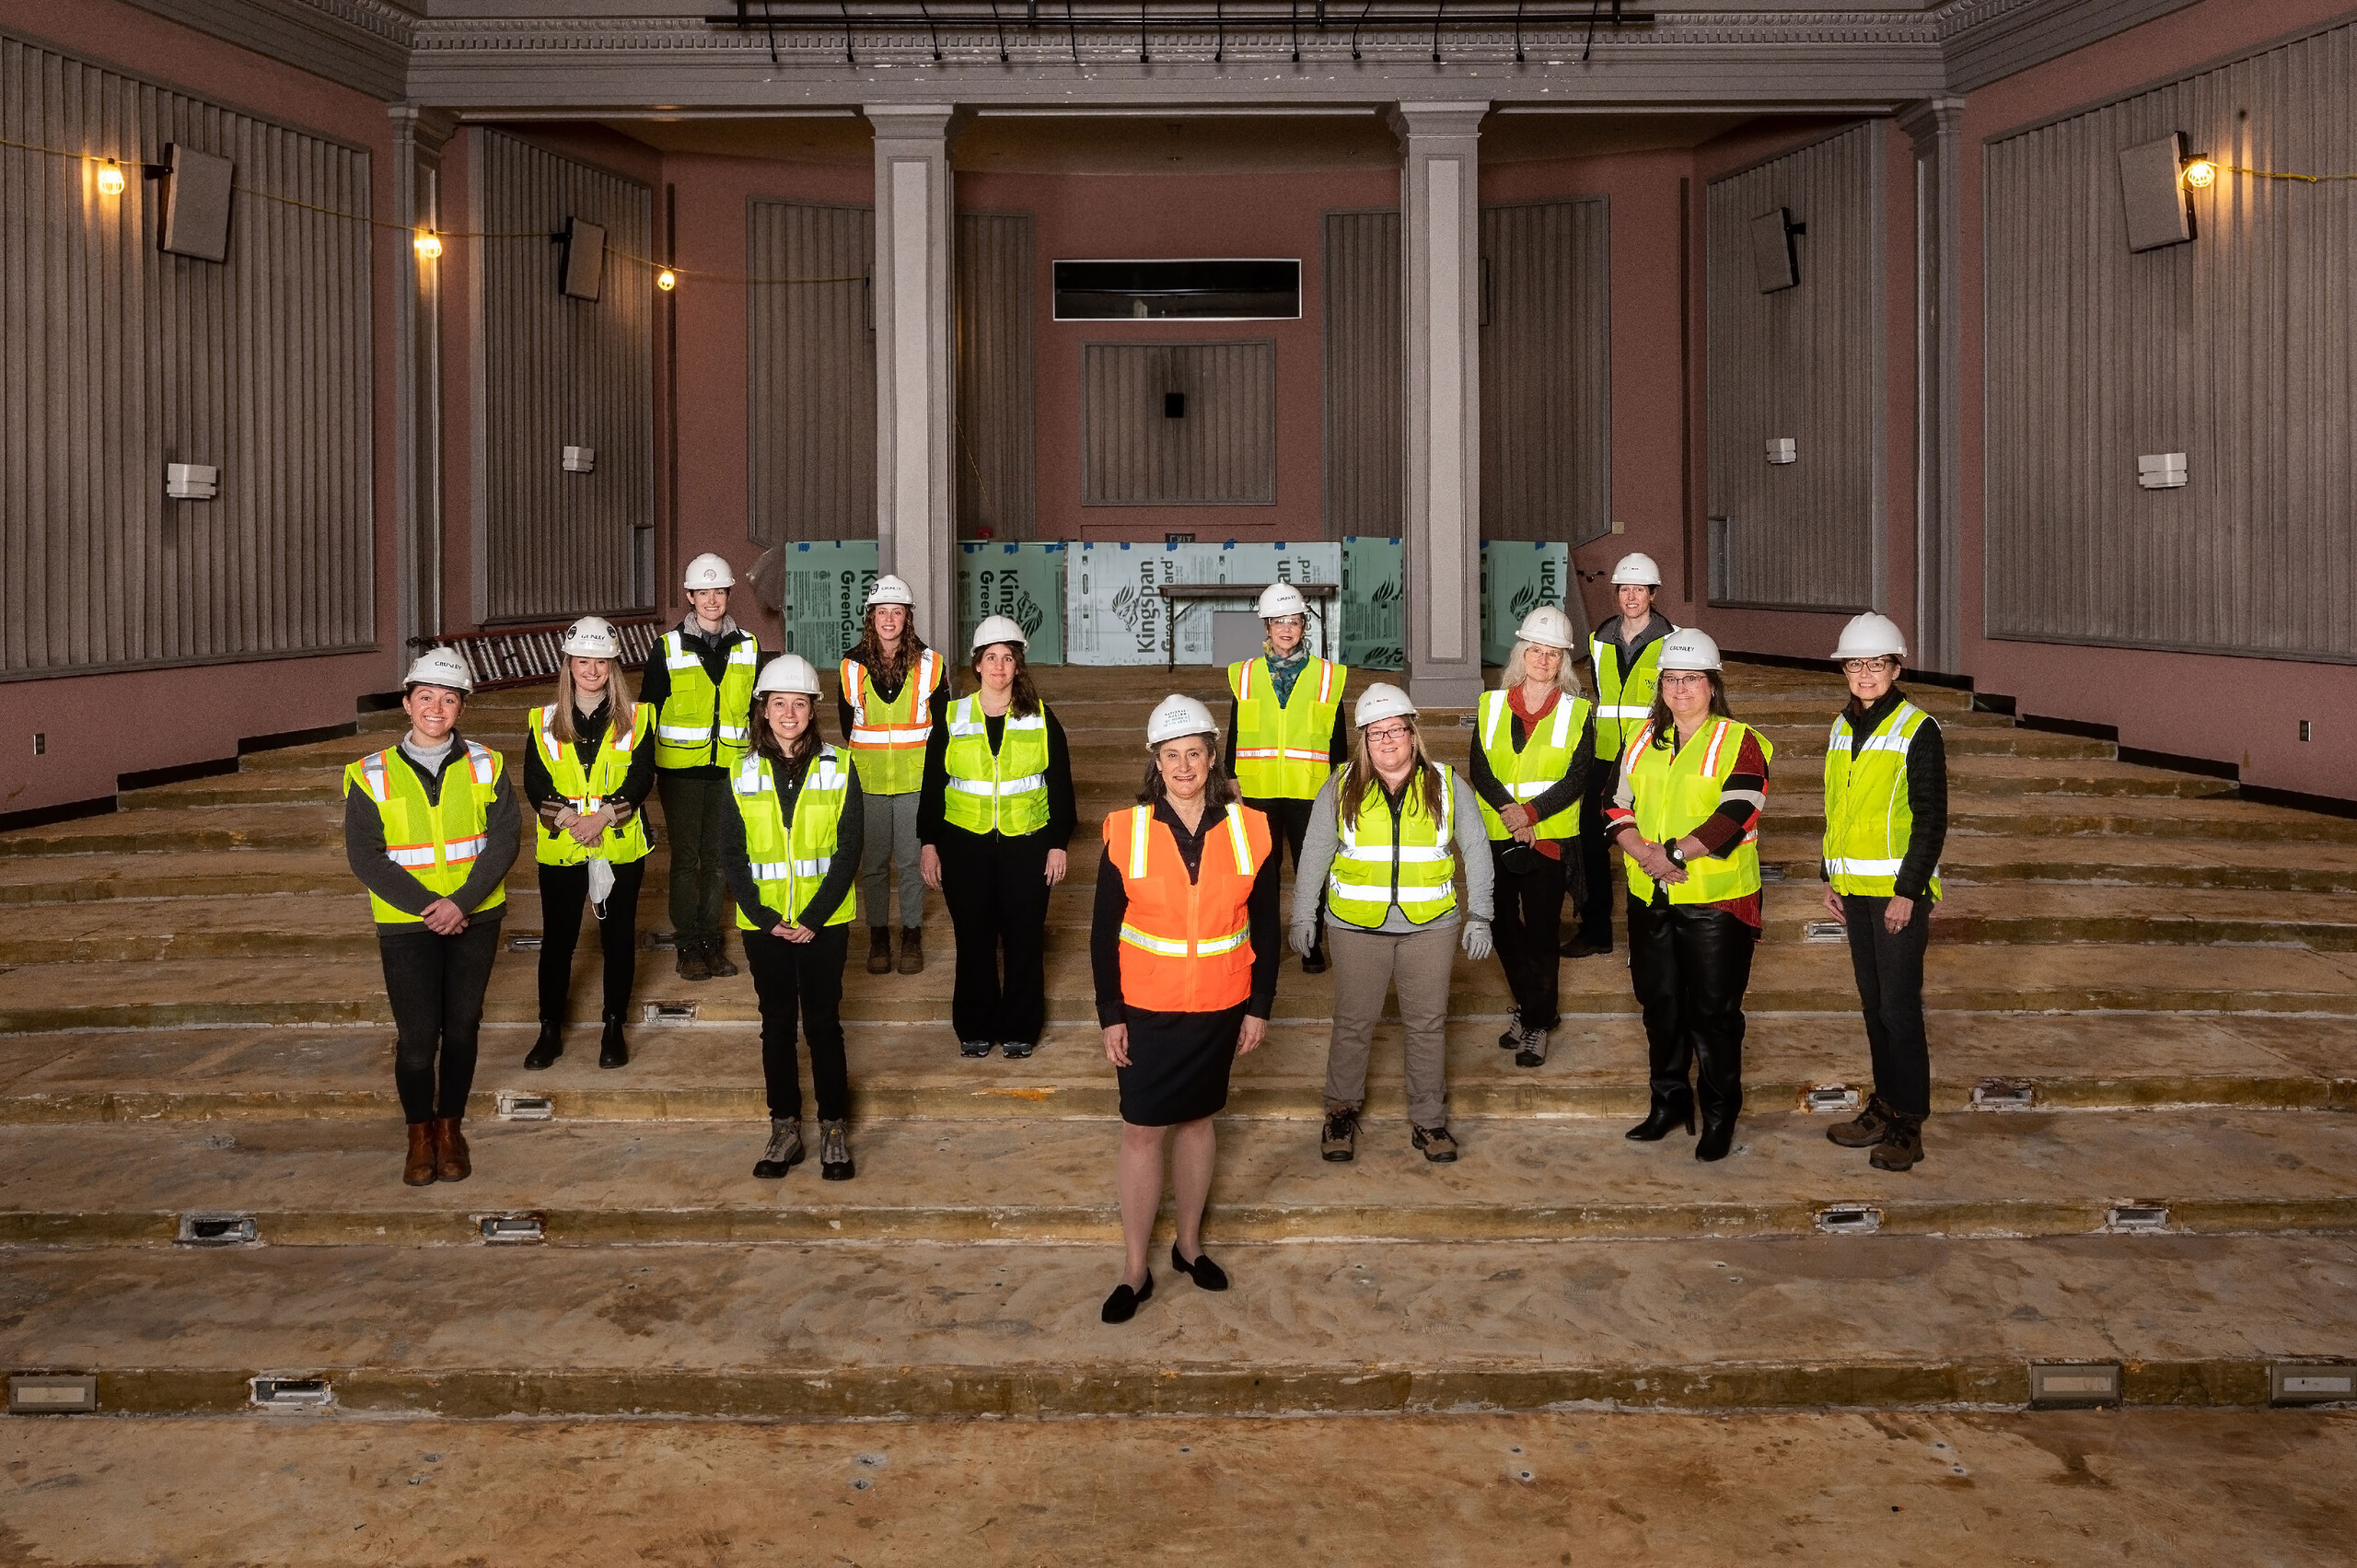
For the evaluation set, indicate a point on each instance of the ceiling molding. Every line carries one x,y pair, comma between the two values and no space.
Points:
361,45
1985,40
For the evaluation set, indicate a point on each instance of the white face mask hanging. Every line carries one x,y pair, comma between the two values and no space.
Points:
601,883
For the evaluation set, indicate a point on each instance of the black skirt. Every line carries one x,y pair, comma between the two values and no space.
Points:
1179,1065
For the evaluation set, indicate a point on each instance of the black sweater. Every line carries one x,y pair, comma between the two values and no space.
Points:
1927,791
736,863
933,821
1113,905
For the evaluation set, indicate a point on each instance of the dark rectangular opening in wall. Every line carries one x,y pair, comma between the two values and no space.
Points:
1187,291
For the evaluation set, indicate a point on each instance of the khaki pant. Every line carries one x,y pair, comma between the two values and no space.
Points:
1366,965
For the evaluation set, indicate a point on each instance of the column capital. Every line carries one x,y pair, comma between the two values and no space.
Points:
1928,118
1411,119
428,129
911,121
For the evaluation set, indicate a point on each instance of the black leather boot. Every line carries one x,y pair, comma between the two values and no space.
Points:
1718,1135
545,1049
613,1050
1670,1111
879,949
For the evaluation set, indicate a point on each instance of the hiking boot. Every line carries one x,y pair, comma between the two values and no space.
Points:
1509,1038
913,949
1438,1146
834,1151
879,949
1340,1141
784,1151
1534,1048
1901,1146
1869,1129
545,1049
969,1049
715,959
691,961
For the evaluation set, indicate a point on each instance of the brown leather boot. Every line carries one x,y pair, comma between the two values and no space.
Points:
879,949
690,959
913,949
715,959
418,1169
1901,1146
1871,1126
452,1163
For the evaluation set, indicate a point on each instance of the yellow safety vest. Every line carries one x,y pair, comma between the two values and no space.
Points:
996,791
1868,822
438,843
1371,872
702,725
887,738
625,841
1622,707
789,861
1674,795
1284,750
1546,756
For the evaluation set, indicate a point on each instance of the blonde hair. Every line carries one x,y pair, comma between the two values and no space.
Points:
623,713
1567,675
1359,778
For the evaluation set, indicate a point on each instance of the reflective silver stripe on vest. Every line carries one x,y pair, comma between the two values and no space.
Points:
1342,890
1168,948
464,849
680,732
486,766
734,732
780,870
1864,867
1623,713
1005,786
372,768
411,855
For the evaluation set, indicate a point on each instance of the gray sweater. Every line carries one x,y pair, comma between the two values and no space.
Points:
1322,839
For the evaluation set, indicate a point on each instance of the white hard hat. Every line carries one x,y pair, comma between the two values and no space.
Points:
1636,568
1380,702
1178,715
1869,636
1549,627
998,628
439,666
889,589
709,570
787,672
592,636
1687,648
1282,598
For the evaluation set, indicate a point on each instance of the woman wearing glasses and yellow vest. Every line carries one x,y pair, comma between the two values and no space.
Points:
430,827
791,849
587,769
889,684
1184,949
698,692
994,816
1686,818
1886,823
1285,734
1626,656
1386,839
1533,747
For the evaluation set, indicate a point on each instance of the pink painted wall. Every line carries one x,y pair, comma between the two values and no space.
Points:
102,726
2241,711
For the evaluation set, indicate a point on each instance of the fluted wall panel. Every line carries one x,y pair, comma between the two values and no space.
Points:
1220,452
1546,370
119,359
997,460
811,367
1366,458
2239,349
554,372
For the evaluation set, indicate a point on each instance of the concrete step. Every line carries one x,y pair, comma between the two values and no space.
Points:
2078,977
318,1183
869,1329
2073,1061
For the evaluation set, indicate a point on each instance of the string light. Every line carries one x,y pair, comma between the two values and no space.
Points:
667,280
2200,173
428,243
110,179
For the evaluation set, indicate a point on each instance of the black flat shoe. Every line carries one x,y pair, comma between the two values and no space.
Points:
1202,1270
1017,1049
971,1048
1123,1303
613,1047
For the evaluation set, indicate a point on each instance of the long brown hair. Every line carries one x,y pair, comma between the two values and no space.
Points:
1219,790
622,713
1023,698
1663,721
869,650
805,745
1360,779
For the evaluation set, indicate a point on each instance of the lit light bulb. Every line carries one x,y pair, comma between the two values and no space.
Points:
429,244
110,179
667,280
2200,173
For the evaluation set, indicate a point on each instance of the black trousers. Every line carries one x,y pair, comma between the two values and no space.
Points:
1289,824
1596,857
1890,991
692,823
565,892
435,984
1529,908
997,892
1690,964
804,977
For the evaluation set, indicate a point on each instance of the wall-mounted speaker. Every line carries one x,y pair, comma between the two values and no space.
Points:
196,204
1775,263
584,260
2157,209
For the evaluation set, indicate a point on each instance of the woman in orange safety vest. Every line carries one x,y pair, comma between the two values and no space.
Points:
1185,947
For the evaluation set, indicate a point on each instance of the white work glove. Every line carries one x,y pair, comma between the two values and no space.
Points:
1303,938
1476,940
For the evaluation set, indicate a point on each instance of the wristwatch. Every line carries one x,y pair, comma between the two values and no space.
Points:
1677,856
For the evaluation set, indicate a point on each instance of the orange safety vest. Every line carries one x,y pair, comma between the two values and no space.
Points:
1187,946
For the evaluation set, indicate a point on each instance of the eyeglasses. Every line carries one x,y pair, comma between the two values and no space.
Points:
1874,665
1682,681
1390,732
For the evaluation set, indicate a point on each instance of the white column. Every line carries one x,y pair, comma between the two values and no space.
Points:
915,527
1440,354
419,136
1937,127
